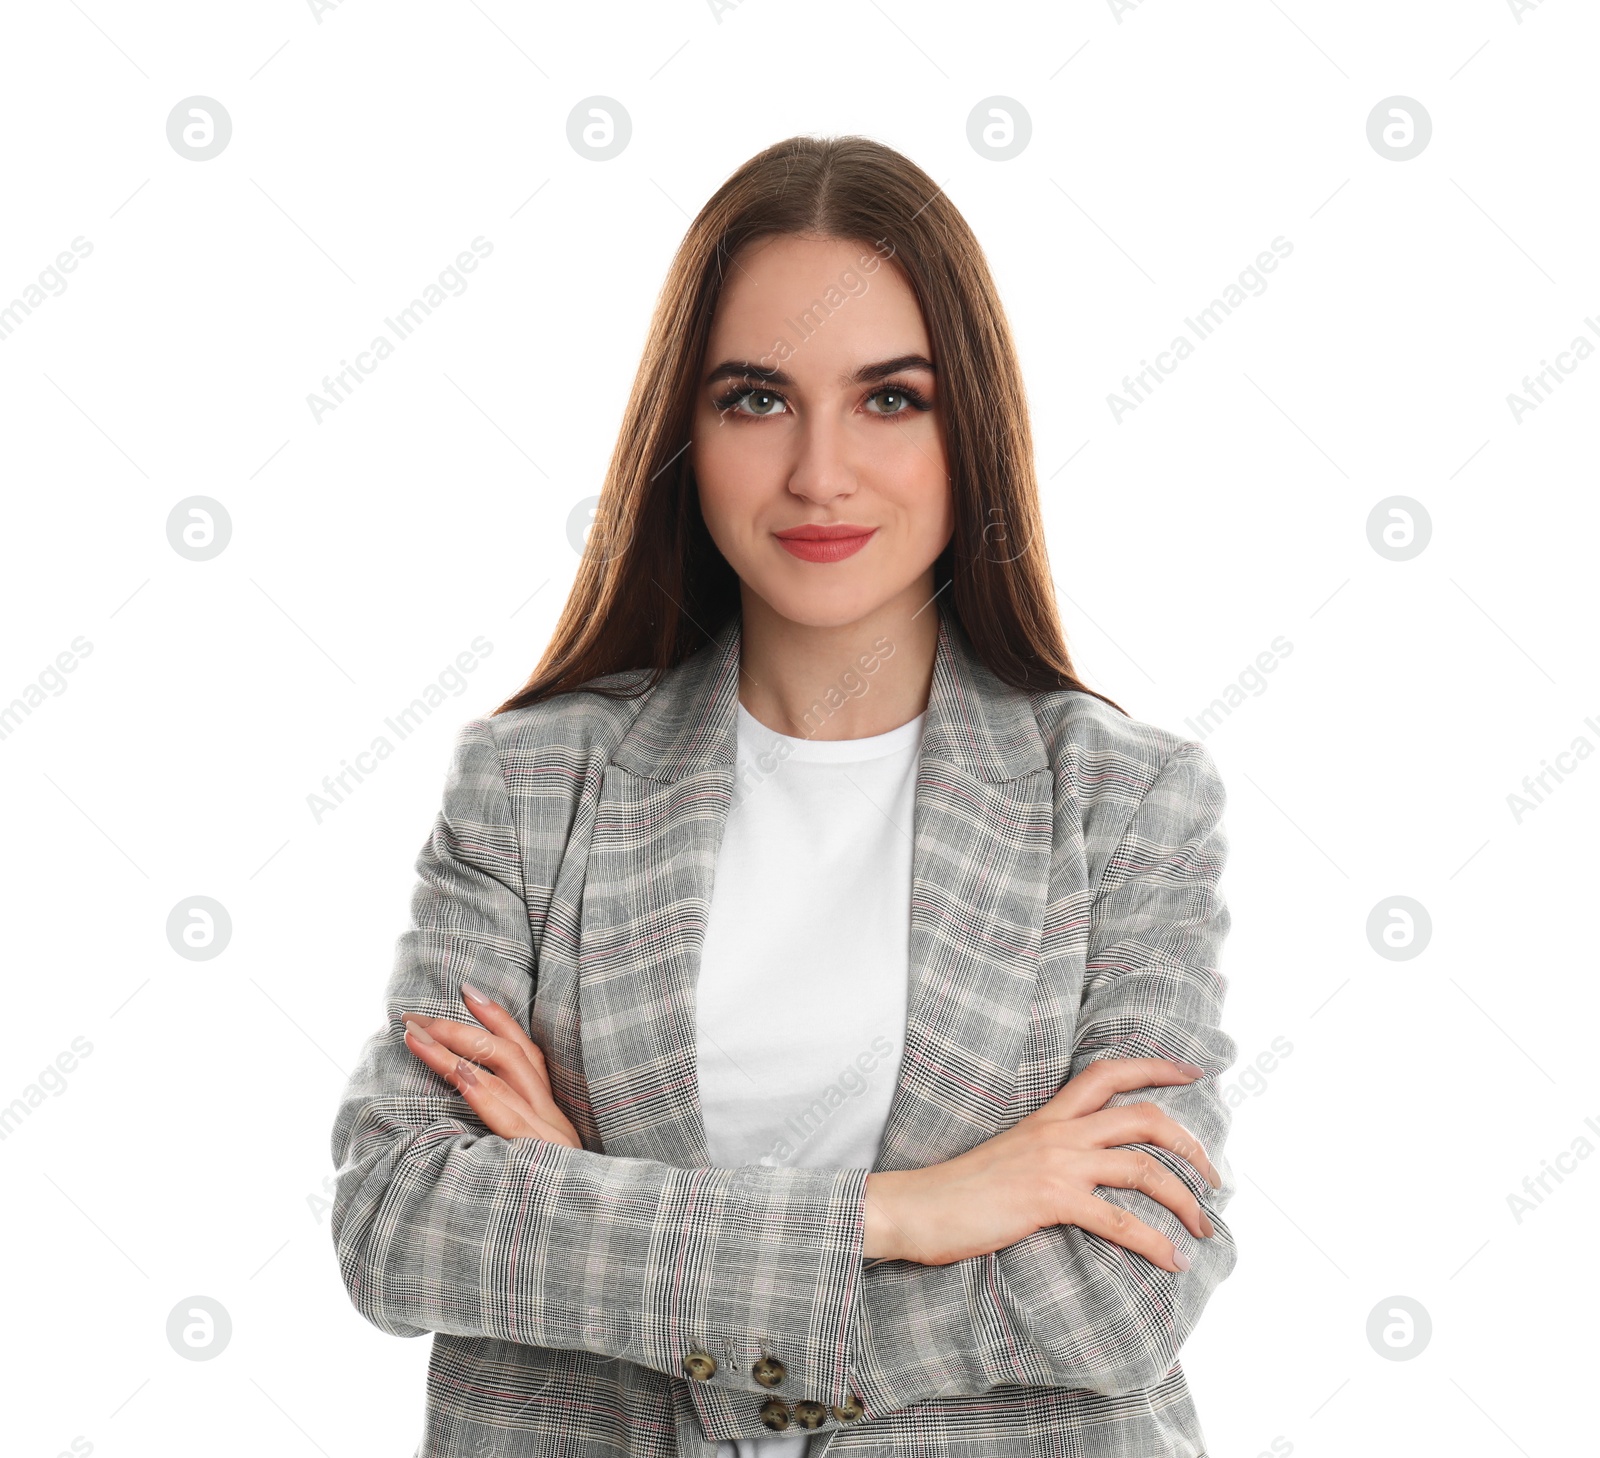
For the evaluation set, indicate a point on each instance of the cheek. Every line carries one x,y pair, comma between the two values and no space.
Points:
941,521
914,466
722,451
720,478
936,501
917,449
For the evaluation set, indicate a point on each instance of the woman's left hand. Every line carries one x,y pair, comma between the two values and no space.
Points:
497,1068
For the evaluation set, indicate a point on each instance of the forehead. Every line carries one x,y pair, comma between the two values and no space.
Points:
817,295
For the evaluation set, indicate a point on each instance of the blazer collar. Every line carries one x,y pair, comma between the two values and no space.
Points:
983,843
974,719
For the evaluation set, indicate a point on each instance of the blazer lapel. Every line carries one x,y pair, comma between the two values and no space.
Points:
982,838
663,803
982,835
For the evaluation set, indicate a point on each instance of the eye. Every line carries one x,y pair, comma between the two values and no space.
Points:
762,402
904,400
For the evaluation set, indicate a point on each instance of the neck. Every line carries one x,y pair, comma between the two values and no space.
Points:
845,681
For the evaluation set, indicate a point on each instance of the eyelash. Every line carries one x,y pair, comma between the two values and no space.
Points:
915,399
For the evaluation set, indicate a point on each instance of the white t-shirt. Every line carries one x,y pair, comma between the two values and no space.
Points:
801,998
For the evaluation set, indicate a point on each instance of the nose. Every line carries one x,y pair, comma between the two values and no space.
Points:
822,470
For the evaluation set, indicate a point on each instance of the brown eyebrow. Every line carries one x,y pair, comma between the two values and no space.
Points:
880,370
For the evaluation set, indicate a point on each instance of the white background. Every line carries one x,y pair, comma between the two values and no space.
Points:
186,1152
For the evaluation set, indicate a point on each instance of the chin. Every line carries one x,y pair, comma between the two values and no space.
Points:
822,607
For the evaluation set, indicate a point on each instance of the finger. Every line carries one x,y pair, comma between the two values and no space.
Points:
1133,1169
467,1040
1111,1222
530,1081
539,1093
1089,1089
438,1055
1149,1123
499,1021
500,1107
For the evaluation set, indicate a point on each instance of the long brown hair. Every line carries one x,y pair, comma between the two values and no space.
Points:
652,587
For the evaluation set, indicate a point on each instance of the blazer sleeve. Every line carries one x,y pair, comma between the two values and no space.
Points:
1065,1308
442,1226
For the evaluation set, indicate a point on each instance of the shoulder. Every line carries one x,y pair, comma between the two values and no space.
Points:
552,748
1107,764
525,776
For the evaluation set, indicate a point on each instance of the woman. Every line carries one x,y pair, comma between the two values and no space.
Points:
829,953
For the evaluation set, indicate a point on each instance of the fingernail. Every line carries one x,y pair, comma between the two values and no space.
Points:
420,1033
471,993
465,1074
1206,1227
1192,1069
1180,1260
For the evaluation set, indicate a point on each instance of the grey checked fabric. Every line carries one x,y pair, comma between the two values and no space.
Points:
1065,908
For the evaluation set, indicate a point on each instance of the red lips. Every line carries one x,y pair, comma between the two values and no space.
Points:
825,542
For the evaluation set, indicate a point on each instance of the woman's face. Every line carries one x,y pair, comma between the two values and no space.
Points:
817,405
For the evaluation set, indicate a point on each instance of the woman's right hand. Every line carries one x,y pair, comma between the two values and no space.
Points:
1043,1171
497,1068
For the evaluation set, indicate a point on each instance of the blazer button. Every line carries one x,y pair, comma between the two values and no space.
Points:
775,1414
769,1371
700,1365
809,1414
850,1411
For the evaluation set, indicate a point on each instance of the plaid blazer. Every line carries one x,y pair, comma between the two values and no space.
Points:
627,1299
